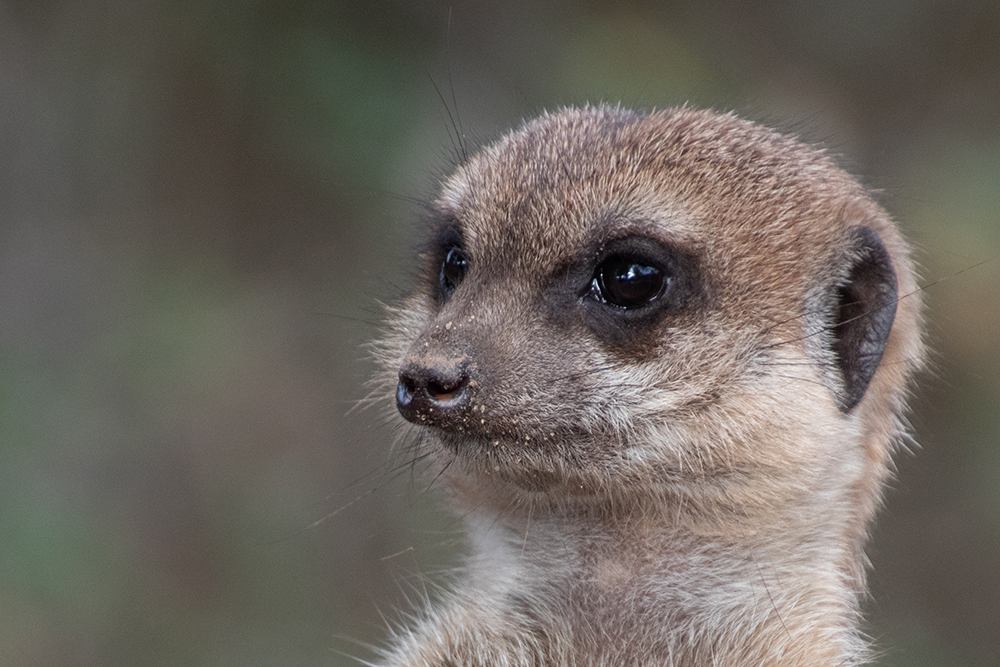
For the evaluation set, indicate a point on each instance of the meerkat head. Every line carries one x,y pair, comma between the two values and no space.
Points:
623,305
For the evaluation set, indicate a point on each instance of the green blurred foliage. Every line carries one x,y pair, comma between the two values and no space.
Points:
203,203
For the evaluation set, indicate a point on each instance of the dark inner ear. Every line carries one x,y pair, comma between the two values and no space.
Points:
865,309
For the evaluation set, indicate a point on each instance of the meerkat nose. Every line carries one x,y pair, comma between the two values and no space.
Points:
437,396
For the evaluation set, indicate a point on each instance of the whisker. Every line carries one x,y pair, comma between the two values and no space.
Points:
444,469
454,100
919,289
377,476
794,377
592,371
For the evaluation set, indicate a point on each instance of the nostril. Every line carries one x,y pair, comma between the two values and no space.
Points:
404,391
408,383
442,390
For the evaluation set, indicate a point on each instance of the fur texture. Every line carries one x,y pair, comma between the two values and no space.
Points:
680,484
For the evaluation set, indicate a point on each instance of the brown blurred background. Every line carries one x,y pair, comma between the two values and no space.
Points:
202,204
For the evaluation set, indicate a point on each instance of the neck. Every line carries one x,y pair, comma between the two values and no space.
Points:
725,588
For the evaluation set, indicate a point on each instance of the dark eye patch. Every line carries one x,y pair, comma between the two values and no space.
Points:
635,284
446,260
454,266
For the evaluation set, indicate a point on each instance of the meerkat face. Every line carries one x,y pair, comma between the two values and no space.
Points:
611,300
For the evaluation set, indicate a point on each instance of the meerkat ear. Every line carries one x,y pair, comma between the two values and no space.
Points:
864,310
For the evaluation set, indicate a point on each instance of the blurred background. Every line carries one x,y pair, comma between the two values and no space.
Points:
202,205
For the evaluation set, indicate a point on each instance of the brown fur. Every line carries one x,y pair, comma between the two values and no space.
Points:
682,492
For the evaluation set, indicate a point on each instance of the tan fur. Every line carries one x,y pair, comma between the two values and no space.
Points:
699,499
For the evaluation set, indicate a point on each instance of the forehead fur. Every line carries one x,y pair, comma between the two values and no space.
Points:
691,177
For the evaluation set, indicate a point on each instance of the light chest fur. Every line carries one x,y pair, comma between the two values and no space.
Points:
660,362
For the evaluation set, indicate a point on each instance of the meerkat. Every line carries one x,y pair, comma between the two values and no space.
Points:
660,362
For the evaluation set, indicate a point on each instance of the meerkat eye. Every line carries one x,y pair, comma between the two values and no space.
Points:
627,282
453,270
